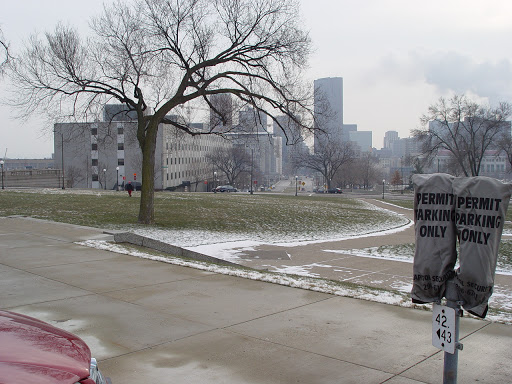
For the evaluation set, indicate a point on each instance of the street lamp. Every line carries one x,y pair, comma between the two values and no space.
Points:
61,155
105,177
402,175
383,181
2,164
296,178
117,179
252,165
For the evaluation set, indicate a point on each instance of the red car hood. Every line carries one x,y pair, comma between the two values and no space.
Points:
32,351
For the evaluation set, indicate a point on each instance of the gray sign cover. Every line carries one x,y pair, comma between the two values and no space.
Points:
470,210
435,254
480,211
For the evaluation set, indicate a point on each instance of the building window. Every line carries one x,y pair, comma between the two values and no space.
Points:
94,146
95,177
120,161
94,162
119,131
120,146
94,131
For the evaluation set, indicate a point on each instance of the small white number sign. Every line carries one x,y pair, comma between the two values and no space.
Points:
443,328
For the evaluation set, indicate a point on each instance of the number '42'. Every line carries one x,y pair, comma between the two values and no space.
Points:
441,320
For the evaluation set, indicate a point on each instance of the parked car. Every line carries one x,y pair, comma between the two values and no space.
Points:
225,188
334,190
32,351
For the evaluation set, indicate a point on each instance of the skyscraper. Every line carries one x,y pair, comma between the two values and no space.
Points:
389,138
221,115
328,109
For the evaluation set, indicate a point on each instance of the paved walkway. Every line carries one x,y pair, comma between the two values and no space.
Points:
150,322
322,260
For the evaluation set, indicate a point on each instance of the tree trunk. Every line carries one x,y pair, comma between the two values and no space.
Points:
147,208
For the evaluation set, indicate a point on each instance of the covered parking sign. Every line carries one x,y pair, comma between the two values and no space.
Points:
470,210
435,254
480,211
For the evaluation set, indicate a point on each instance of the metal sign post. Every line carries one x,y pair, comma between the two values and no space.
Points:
445,333
470,212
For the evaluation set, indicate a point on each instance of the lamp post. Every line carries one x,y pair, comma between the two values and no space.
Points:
61,155
252,165
296,178
105,177
402,175
117,179
2,164
62,158
383,181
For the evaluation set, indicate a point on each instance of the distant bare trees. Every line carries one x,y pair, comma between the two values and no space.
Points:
156,56
327,159
396,179
232,162
73,176
464,128
366,171
505,147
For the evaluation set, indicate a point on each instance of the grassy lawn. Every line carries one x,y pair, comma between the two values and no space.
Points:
231,213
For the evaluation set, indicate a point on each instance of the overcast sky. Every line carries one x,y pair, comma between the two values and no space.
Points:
396,57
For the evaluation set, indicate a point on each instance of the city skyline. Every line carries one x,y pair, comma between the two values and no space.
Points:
396,58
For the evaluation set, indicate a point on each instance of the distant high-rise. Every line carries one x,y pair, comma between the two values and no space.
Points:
251,121
221,113
328,109
389,138
363,140
348,129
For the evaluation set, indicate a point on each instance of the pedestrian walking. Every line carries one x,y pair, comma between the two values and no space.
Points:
129,188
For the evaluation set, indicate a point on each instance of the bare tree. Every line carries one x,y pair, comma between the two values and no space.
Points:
73,176
155,56
327,159
396,179
365,170
232,162
4,53
464,128
505,145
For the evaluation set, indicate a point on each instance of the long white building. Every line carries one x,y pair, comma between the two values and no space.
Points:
105,154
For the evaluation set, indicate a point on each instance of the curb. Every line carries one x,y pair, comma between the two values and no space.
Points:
132,238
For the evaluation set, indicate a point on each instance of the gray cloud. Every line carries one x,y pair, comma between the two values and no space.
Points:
448,72
452,71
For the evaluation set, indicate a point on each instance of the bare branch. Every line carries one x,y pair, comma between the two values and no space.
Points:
465,129
156,56
5,56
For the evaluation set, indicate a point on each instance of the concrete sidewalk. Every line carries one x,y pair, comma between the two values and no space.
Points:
151,322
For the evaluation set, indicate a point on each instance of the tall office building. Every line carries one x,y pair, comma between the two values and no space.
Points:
362,140
328,109
389,138
221,118
251,121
